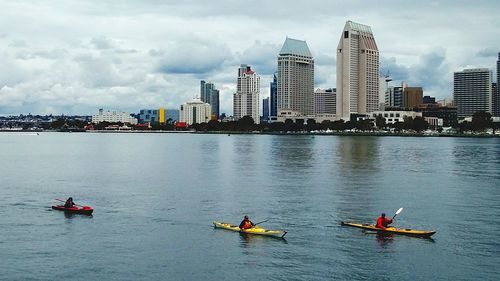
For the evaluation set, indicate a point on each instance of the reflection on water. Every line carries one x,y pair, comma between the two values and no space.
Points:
359,154
248,239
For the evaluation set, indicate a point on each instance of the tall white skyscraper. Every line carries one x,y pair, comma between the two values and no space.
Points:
357,71
295,78
246,98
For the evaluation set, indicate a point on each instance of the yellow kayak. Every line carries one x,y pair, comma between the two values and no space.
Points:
402,231
254,230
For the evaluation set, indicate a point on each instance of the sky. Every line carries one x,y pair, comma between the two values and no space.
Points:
76,56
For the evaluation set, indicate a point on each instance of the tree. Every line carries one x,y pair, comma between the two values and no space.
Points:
380,121
419,124
311,125
246,123
481,121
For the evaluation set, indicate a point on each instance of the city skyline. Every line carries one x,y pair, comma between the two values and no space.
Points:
73,59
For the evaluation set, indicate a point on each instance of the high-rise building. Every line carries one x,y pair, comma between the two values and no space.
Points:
495,107
195,111
265,109
246,98
412,96
357,71
210,95
394,96
324,101
472,91
295,78
496,92
274,96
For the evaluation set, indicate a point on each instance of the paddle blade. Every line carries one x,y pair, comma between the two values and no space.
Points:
399,211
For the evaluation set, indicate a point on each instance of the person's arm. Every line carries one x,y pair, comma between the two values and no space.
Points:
241,224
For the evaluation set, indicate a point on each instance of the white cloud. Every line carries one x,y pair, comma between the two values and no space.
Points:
76,56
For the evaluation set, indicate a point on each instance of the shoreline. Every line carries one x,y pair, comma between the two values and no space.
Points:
364,134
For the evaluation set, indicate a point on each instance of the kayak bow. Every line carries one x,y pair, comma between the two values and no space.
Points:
401,231
254,230
84,210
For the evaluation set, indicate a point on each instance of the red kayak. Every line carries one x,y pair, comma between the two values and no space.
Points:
84,210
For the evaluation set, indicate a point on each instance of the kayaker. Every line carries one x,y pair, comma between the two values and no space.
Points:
246,223
69,203
383,222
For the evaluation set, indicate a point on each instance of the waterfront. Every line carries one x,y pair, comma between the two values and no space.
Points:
155,196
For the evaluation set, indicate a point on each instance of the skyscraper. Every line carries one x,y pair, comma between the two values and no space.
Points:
210,95
496,93
472,91
246,98
295,78
274,96
265,109
357,71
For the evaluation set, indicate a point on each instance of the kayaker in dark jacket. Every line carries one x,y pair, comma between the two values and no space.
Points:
383,222
69,203
246,223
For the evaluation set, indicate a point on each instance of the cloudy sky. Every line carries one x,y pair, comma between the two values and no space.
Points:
75,56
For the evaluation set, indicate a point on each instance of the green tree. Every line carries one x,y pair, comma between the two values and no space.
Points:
481,121
246,123
419,124
380,121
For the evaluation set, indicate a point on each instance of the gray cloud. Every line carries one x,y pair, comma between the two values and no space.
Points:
132,54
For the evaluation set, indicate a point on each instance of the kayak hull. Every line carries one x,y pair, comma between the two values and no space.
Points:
392,230
85,210
254,230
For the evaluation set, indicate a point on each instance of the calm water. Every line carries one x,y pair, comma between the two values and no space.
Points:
156,195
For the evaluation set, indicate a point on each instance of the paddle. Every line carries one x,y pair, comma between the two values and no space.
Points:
65,202
261,222
397,213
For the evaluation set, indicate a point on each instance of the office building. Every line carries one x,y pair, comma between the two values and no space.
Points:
295,78
495,107
395,116
246,98
209,94
357,71
412,97
273,110
160,115
496,92
472,91
113,117
325,101
448,114
195,112
265,109
428,100
394,96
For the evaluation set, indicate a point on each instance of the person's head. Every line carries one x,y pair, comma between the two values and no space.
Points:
245,217
71,198
383,215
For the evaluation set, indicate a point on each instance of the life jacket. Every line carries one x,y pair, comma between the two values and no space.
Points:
247,224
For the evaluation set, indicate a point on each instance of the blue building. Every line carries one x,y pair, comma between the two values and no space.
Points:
265,110
274,96
158,115
209,94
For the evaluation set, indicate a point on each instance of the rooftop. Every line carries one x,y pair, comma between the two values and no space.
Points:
295,47
360,27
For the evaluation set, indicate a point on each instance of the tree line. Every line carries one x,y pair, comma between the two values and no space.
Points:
481,121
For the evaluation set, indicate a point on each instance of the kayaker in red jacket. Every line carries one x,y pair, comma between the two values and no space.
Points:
69,203
246,223
383,222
